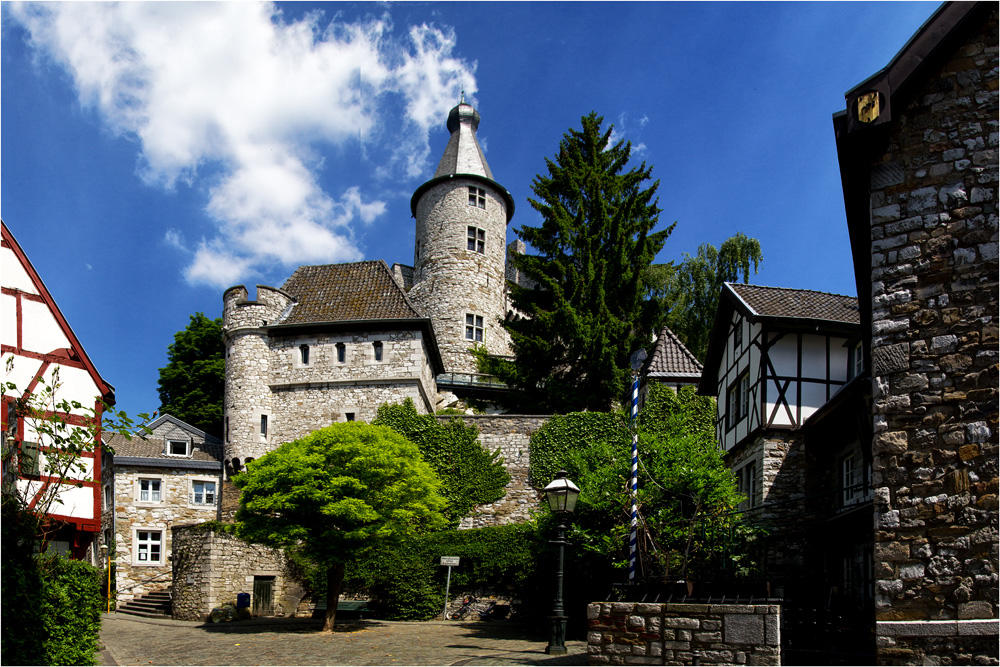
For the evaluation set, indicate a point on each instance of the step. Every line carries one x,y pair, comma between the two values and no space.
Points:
144,614
147,606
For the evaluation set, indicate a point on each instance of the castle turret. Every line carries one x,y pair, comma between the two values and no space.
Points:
460,251
248,411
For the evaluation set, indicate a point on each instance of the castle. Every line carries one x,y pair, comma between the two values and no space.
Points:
338,340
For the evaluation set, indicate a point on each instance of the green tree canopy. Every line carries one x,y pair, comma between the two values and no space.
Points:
688,293
332,492
572,337
469,474
193,383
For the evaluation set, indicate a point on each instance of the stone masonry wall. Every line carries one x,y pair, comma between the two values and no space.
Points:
210,569
512,435
934,352
627,633
134,579
450,280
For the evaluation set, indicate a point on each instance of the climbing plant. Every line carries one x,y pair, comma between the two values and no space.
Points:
470,475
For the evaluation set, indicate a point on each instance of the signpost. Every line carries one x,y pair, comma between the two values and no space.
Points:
448,561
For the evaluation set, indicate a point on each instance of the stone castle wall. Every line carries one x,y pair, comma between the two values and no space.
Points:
450,280
210,569
934,356
627,633
511,434
132,578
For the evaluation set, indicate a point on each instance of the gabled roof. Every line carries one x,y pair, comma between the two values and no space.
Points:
347,292
781,308
76,352
782,302
671,359
166,420
153,446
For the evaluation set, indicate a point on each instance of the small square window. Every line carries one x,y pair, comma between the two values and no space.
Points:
177,447
474,327
349,416
150,491
477,197
203,493
476,240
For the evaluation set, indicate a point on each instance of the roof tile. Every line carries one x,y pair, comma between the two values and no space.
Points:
798,303
671,358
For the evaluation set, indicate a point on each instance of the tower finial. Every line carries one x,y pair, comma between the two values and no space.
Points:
463,97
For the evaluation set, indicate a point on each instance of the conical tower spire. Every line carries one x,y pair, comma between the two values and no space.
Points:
463,155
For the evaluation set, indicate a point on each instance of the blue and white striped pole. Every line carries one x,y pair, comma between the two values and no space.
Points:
634,485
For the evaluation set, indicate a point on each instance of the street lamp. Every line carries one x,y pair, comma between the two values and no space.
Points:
107,564
561,495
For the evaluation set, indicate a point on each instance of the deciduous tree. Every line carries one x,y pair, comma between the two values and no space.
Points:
193,383
688,293
336,490
572,336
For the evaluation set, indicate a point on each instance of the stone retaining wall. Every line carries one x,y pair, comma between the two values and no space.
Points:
511,434
630,633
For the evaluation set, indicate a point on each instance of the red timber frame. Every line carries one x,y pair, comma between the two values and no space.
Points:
74,357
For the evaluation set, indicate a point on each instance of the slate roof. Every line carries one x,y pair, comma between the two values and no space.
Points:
463,155
359,291
671,359
797,303
153,448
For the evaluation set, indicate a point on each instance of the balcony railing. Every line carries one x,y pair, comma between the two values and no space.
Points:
478,380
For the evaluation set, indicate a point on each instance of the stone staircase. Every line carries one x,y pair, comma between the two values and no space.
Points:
156,604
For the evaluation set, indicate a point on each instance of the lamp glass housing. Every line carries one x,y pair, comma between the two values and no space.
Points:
562,494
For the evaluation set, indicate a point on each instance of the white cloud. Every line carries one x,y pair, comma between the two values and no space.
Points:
236,100
174,237
620,132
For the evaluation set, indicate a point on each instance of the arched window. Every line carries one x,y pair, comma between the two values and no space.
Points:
377,346
341,353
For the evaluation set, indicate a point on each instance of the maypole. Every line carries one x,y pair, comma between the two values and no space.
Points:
635,362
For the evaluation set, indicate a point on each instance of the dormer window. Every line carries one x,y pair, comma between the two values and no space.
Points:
477,197
178,448
377,348
476,240
304,354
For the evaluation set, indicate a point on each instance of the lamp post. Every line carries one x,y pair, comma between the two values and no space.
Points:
561,495
107,564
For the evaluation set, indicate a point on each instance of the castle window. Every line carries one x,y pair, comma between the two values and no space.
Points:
474,327
304,354
341,353
227,429
263,425
476,240
377,347
477,197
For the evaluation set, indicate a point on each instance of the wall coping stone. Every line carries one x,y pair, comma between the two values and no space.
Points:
978,627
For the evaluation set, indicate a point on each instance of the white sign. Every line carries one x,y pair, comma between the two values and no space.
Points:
449,560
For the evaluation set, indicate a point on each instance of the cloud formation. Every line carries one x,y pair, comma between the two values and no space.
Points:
233,99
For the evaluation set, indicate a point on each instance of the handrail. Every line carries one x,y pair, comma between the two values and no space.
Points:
146,581
470,380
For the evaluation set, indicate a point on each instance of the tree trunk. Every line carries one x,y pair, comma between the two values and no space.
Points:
334,583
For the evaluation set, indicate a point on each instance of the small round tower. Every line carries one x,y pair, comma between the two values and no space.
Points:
460,252
248,422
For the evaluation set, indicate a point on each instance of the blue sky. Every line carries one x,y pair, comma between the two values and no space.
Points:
154,154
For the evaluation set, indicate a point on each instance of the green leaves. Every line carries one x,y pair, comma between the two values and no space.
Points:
192,384
572,338
470,475
334,490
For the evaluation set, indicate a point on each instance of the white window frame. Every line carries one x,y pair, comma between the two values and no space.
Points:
137,490
477,196
192,482
746,484
852,475
475,328
138,543
168,450
738,400
475,239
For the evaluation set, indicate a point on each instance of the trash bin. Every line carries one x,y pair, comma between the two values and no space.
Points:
243,601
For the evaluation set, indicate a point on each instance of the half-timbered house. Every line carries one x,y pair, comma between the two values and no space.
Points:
41,351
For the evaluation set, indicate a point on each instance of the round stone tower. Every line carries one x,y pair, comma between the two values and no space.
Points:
248,419
460,252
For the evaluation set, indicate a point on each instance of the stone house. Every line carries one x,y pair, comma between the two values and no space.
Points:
171,477
917,144
786,369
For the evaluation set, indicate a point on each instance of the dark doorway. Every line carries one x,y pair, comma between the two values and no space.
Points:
263,596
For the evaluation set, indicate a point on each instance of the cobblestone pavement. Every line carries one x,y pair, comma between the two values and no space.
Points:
129,640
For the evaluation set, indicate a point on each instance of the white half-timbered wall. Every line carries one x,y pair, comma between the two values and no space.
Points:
785,376
36,342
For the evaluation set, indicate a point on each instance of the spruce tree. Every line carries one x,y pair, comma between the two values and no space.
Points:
573,334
